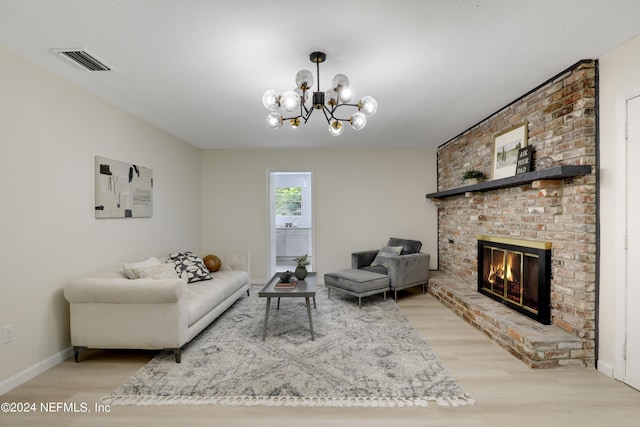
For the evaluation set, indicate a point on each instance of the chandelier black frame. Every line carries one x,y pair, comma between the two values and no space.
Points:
336,97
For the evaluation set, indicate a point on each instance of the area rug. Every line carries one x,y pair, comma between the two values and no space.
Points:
370,357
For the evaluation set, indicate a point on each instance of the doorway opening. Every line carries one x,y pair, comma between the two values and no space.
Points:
291,219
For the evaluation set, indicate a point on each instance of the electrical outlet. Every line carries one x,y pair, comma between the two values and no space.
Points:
7,334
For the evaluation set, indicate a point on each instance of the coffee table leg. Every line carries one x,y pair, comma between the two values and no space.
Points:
310,321
266,318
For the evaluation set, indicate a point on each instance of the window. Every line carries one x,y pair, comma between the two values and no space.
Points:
288,201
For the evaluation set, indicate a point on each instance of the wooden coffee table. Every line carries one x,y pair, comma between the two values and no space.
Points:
304,289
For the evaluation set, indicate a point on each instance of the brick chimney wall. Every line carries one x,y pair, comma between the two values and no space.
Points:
561,117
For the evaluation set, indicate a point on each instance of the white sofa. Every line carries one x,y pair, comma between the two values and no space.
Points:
110,310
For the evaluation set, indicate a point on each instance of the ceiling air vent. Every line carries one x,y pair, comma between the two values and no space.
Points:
83,59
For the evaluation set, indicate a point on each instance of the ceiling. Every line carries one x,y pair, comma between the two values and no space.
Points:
198,68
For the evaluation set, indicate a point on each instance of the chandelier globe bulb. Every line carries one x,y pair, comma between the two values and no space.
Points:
336,128
331,97
368,106
345,94
274,120
358,121
290,101
304,79
271,100
339,81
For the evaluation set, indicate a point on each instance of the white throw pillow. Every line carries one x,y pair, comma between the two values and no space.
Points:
128,267
162,271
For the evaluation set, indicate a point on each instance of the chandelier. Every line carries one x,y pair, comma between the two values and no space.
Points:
294,102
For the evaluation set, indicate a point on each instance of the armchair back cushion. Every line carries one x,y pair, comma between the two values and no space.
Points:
408,246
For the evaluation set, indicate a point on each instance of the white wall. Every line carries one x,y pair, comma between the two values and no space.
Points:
619,80
361,198
50,132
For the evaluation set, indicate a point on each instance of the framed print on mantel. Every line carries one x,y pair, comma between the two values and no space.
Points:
505,150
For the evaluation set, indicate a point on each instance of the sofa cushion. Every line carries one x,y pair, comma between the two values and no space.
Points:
382,258
189,267
408,246
207,294
233,261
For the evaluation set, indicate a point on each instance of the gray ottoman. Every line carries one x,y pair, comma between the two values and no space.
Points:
359,283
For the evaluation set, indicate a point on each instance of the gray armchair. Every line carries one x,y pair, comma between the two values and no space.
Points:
409,268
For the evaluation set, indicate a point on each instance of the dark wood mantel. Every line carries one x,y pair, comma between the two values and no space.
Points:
558,172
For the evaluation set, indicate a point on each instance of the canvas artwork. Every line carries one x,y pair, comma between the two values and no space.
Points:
123,190
505,151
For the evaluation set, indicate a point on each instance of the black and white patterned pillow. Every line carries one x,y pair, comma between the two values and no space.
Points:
189,267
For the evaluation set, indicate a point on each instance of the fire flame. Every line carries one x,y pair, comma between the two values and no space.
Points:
509,271
497,273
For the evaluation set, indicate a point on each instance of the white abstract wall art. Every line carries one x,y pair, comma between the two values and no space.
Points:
123,190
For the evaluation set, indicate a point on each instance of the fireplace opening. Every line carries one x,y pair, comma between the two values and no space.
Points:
516,273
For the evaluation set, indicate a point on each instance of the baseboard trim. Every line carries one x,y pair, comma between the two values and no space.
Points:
35,370
605,368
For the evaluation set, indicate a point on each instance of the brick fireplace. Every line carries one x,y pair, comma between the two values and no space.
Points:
554,204
516,273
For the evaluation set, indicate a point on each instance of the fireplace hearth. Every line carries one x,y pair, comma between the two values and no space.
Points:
516,273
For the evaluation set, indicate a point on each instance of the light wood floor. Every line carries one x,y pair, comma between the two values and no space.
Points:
507,393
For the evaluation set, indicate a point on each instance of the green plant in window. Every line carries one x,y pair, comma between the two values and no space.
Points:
288,201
